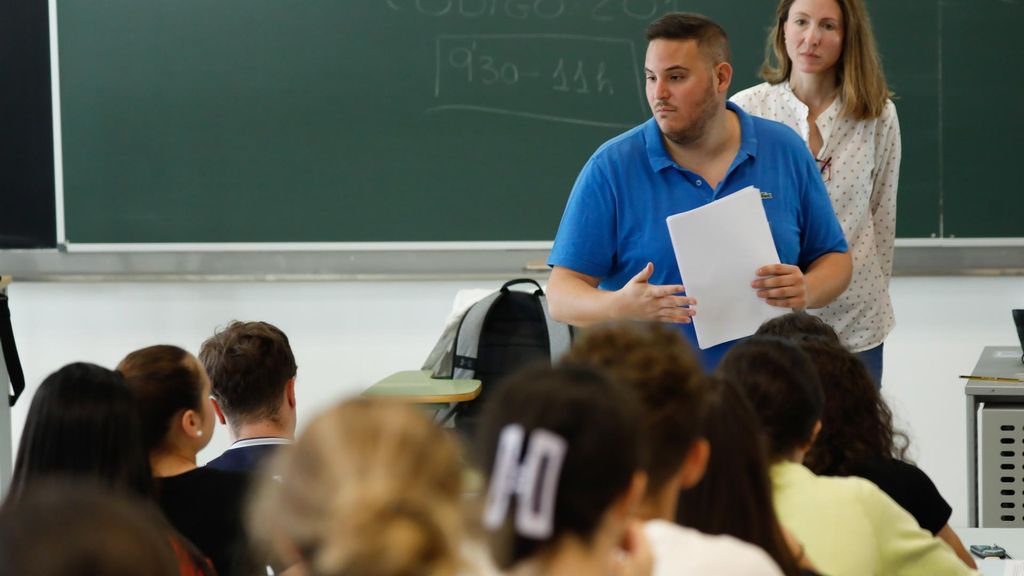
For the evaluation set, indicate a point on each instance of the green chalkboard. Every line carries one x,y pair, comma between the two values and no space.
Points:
438,120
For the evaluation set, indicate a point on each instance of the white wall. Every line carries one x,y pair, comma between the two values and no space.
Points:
347,335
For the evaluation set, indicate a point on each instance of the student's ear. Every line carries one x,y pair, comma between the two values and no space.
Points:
191,424
695,464
289,392
218,411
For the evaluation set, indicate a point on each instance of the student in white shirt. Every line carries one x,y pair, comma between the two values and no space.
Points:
825,80
657,364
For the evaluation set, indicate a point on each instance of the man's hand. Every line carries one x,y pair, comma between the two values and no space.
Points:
639,300
782,285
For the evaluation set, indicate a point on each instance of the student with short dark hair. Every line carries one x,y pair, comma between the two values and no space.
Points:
857,439
204,504
848,525
83,429
654,362
562,452
252,373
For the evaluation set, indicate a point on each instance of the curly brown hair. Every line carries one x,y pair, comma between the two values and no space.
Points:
856,423
657,364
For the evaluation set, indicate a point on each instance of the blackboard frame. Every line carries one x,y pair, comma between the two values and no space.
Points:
31,166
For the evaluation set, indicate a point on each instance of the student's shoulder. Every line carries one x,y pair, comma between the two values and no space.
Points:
678,549
222,481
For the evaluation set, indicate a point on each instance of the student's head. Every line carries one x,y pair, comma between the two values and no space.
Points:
856,423
561,449
252,372
782,386
796,325
370,487
67,529
83,424
173,394
815,36
735,495
656,362
688,75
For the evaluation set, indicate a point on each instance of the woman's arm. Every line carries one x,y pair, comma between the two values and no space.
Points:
949,537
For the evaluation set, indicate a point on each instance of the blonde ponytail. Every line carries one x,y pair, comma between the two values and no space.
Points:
370,489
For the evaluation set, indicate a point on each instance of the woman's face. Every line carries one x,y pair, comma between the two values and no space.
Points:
814,35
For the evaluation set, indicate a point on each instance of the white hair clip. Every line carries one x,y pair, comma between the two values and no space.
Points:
534,481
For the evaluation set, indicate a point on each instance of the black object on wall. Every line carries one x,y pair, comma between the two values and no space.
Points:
27,203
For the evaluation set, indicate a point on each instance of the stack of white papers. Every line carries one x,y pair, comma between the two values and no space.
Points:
718,248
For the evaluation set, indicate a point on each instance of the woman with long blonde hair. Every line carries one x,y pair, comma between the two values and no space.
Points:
824,79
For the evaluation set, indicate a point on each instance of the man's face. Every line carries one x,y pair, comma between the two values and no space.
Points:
681,89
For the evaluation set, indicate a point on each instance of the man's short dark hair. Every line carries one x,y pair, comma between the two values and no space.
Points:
249,364
710,37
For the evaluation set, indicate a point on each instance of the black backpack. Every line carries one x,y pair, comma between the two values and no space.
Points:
495,337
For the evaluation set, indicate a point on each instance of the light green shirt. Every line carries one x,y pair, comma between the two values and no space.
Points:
849,527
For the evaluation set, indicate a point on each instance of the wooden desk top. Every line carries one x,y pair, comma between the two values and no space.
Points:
417,387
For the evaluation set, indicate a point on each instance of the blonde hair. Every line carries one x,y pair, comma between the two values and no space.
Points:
371,488
860,76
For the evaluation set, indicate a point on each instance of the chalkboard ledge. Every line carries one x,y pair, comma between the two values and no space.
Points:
914,257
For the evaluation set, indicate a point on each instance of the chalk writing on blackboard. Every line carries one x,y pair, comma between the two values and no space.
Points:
588,80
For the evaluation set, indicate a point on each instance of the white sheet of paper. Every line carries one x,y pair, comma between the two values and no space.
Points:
718,248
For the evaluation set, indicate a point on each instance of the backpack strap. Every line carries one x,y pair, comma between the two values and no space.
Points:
466,348
11,370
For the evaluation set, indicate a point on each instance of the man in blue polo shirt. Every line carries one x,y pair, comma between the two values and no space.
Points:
613,258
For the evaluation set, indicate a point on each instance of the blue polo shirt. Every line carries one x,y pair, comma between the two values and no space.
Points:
614,222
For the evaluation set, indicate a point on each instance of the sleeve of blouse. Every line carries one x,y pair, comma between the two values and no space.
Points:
929,507
885,182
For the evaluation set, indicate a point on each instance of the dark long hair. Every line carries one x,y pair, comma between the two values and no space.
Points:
735,495
857,423
83,424
782,386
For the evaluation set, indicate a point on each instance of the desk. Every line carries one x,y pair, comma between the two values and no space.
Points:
998,361
417,387
1011,539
